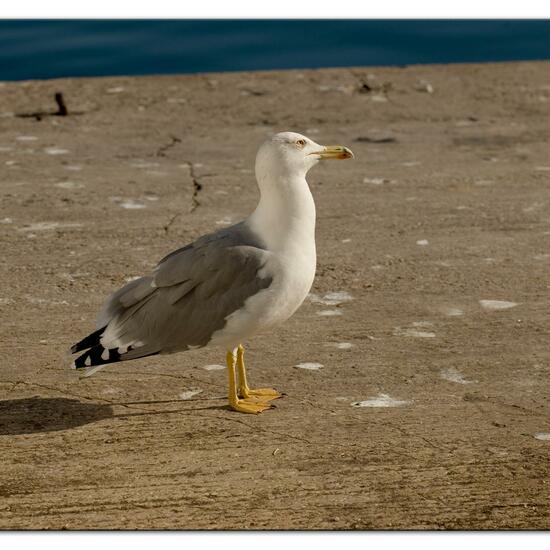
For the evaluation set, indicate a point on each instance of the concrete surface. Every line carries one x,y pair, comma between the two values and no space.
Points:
437,238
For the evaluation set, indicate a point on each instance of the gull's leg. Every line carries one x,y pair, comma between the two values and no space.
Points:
261,394
234,402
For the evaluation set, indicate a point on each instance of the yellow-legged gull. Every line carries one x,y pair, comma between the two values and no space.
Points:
228,285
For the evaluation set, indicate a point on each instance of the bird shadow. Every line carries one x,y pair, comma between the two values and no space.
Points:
51,414
48,414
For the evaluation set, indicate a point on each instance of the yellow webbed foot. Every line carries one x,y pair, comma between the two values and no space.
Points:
259,394
249,407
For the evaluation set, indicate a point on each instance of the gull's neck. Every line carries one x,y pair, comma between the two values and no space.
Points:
285,215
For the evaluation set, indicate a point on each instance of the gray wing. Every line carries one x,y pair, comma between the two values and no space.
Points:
188,297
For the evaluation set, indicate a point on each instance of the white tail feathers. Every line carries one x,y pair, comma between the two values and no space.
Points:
88,371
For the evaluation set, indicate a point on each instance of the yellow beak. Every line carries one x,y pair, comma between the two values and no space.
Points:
338,152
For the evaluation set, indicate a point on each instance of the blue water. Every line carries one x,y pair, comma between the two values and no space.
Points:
32,49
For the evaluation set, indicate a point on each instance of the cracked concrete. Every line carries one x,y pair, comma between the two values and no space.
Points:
161,151
147,165
196,189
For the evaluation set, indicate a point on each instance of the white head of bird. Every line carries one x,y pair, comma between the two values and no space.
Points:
289,156
286,210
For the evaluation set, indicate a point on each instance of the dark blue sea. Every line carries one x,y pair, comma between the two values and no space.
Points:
31,49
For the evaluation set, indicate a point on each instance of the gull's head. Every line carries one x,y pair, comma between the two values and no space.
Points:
289,155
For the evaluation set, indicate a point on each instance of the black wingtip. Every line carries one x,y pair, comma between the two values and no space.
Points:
96,356
90,341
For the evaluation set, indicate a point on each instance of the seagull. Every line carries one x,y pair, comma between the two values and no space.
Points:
225,286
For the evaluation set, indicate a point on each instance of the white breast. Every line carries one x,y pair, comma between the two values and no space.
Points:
286,224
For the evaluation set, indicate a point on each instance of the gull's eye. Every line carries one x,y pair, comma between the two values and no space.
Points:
301,143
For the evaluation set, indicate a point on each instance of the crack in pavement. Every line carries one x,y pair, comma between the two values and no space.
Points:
195,203
161,151
197,188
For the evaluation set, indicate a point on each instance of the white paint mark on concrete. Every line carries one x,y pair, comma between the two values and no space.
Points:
69,185
379,98
331,298
6,220
542,436
144,164
185,395
413,332
337,297
422,242
131,204
419,333
56,151
309,366
453,312
422,85
329,312
343,345
381,400
375,181
115,90
224,221
346,240
214,367
45,301
26,138
497,304
46,226
453,375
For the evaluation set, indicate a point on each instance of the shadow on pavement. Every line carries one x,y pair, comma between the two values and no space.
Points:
48,414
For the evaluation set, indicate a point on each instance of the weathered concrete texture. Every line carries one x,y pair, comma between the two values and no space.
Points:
445,205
